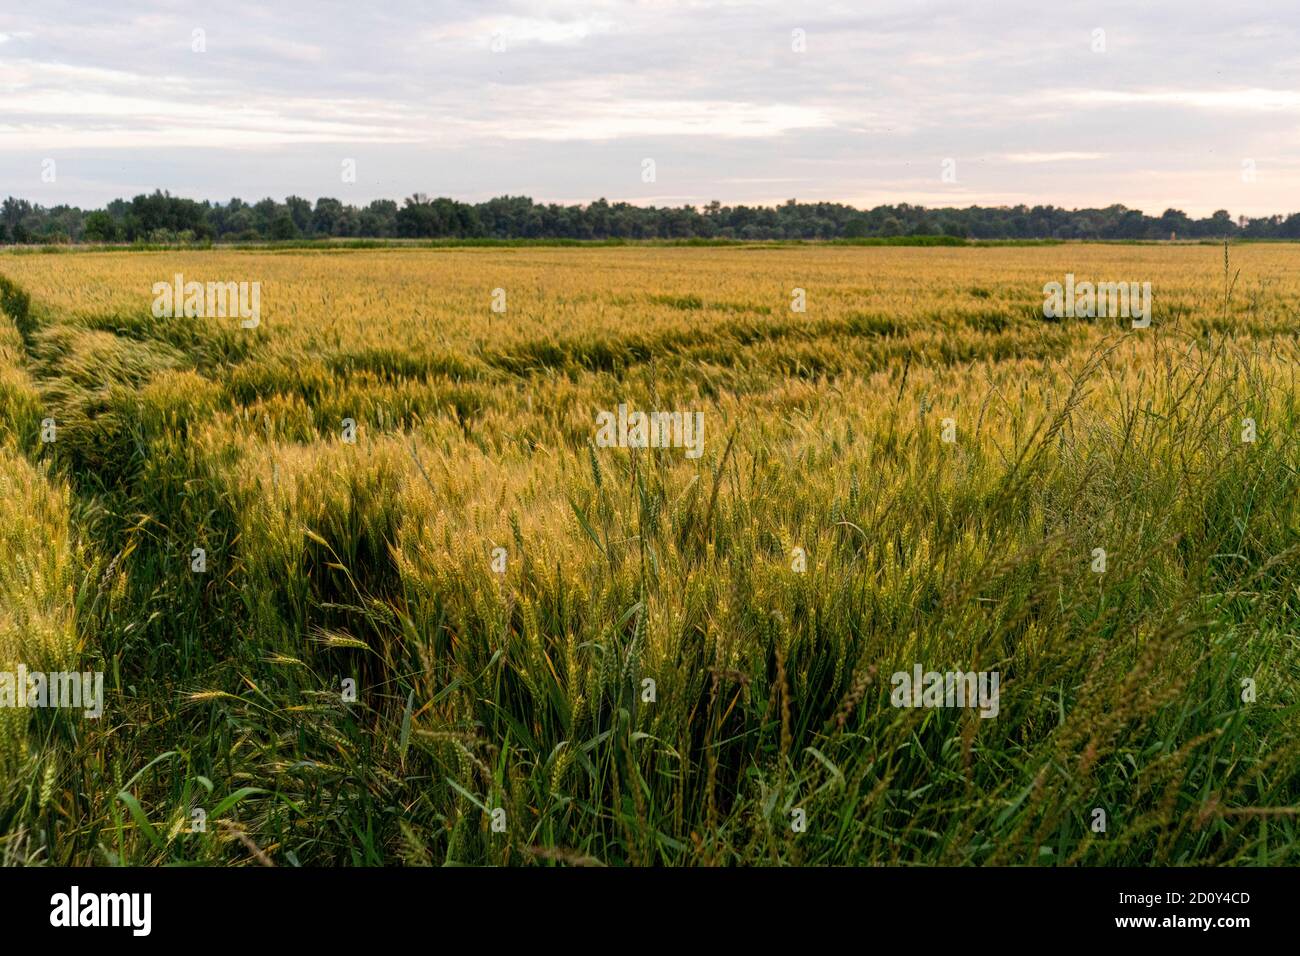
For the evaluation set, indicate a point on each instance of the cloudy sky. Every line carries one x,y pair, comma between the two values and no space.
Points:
1191,104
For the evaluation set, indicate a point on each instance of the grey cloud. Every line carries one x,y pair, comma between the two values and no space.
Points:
712,91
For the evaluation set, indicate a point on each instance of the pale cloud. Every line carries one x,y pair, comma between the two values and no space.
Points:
1065,157
651,118
518,30
288,49
1250,101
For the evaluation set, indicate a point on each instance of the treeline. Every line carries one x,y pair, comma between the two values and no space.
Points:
163,218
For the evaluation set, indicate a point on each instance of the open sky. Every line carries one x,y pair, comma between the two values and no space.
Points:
1192,104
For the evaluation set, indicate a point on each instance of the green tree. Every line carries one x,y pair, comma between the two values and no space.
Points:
100,227
283,227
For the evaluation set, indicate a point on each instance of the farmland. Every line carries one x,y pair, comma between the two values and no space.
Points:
436,621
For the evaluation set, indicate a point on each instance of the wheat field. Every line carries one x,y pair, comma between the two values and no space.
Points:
438,622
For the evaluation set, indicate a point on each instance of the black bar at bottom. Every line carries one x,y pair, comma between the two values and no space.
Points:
366,907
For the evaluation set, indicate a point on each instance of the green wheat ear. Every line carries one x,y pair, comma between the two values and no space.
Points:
48,781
